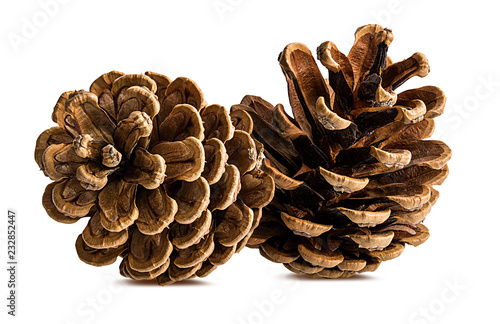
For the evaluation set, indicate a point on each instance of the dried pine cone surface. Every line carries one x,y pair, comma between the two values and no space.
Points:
165,181
353,170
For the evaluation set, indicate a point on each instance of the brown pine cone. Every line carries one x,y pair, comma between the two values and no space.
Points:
353,172
166,181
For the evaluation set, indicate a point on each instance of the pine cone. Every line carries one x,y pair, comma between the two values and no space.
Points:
166,181
353,174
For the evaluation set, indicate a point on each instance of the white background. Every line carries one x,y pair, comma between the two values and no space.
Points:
230,48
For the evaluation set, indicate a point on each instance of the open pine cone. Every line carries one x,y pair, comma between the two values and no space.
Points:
353,172
166,181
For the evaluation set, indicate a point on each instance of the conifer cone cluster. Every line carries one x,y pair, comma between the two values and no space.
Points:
165,181
353,170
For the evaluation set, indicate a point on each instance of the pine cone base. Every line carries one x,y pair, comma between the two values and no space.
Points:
166,181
